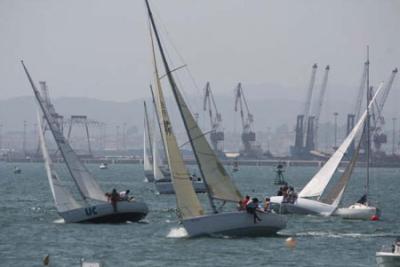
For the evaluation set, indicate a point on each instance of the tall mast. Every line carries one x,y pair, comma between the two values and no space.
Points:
368,125
173,86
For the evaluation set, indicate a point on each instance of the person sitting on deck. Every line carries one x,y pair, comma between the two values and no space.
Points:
267,204
124,195
292,195
252,208
243,203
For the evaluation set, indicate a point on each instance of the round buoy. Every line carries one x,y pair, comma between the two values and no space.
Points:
291,242
374,218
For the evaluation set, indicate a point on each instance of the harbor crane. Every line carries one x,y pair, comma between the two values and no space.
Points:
318,109
304,139
248,135
216,134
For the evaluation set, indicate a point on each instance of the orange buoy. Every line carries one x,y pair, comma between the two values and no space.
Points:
291,242
374,218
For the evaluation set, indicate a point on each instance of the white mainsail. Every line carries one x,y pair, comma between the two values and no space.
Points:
87,185
187,201
147,162
316,186
63,199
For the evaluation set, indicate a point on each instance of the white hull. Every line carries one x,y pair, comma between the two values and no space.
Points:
387,259
357,212
302,206
166,187
104,213
239,223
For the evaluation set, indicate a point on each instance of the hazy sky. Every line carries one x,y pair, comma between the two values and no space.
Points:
100,48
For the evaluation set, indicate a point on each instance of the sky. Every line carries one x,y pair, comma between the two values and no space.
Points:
100,48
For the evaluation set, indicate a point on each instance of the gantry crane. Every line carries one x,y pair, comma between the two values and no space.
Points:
216,134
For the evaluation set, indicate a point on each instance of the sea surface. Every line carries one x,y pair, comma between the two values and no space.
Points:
30,227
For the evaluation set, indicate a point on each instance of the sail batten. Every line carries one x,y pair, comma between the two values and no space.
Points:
316,186
87,185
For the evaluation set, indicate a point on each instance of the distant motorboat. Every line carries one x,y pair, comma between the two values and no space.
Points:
103,166
389,257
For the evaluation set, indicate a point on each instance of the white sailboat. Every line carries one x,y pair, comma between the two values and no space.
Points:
96,208
218,183
161,173
309,198
361,210
147,148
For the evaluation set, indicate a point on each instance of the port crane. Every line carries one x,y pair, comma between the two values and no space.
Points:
216,134
248,135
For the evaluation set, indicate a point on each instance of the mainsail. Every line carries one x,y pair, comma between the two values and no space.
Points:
187,202
219,184
87,185
63,199
316,186
147,145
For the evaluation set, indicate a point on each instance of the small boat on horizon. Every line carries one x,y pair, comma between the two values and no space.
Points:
103,166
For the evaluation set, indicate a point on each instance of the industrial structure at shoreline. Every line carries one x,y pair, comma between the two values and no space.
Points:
91,139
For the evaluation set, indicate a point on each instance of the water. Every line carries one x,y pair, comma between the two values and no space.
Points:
30,227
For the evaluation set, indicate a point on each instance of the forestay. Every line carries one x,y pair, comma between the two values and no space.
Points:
318,183
187,202
84,180
63,199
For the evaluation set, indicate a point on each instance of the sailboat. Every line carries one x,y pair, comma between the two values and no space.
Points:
147,148
219,185
306,202
95,207
361,209
161,173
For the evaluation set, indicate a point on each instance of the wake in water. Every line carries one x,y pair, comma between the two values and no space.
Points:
59,221
178,232
345,235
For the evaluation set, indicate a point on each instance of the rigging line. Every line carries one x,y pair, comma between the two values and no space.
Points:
196,137
168,40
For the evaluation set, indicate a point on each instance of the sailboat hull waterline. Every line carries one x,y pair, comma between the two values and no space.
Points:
302,206
131,211
235,224
357,212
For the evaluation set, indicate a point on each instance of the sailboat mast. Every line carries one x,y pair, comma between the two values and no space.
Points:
173,86
368,127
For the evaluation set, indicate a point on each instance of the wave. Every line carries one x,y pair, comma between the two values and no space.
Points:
177,232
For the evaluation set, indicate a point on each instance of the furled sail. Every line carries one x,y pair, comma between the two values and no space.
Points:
335,194
87,185
187,202
316,186
62,197
219,184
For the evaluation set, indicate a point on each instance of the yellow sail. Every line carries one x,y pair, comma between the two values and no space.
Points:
187,202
